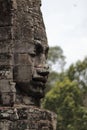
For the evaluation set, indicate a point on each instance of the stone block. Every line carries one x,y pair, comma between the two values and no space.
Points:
7,93
5,13
6,46
5,125
23,46
15,119
22,73
5,59
5,33
6,74
22,59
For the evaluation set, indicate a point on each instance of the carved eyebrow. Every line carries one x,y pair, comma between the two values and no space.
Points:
41,47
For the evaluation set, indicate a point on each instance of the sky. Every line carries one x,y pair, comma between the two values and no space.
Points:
66,26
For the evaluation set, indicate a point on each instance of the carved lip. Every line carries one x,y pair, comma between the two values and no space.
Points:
38,84
40,79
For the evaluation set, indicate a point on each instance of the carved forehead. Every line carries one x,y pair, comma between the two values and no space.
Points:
30,22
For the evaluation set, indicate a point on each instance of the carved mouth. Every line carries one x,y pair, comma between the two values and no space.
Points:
38,88
40,79
39,84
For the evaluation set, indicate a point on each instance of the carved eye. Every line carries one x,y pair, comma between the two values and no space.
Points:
39,49
32,54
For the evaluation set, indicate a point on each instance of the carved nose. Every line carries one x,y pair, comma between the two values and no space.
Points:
45,66
43,70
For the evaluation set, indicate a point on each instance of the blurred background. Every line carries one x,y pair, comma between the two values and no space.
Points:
66,89
66,26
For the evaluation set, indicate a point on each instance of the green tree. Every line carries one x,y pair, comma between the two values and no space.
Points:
78,72
66,99
67,92
56,58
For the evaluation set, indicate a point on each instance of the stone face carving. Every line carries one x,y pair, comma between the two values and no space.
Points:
23,52
30,50
23,68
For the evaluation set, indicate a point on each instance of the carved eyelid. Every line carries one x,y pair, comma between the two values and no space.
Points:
32,52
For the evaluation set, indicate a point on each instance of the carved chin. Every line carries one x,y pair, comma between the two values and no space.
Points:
37,89
32,89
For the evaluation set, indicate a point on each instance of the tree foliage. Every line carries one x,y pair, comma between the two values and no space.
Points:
56,58
65,92
78,72
66,99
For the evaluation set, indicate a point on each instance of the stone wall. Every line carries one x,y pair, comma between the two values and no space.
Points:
26,118
7,86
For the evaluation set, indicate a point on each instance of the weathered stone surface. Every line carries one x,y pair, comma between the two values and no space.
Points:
5,13
30,48
23,68
26,118
7,86
23,48
7,92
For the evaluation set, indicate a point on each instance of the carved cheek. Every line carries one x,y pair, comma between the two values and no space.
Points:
30,60
42,58
35,62
39,60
